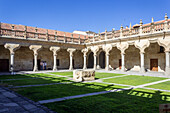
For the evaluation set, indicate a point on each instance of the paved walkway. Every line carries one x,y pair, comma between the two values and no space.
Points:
11,102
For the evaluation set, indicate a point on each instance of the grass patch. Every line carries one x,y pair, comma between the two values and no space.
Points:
3,77
163,85
63,90
130,101
35,81
134,80
105,75
69,74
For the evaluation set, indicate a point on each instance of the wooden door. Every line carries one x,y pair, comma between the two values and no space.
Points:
120,63
4,65
154,64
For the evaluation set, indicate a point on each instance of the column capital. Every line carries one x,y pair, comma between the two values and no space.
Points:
107,48
94,49
142,45
71,50
122,47
54,49
35,48
84,51
12,47
165,43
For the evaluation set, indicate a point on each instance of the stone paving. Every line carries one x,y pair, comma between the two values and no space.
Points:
11,102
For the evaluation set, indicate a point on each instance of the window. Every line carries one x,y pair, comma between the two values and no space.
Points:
161,49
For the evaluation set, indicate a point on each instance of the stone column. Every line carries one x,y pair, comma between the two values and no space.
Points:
71,50
84,55
107,62
142,45
12,48
122,47
94,55
107,49
142,67
54,49
123,62
167,68
94,49
165,42
35,49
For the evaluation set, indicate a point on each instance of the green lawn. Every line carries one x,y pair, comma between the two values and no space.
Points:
163,85
35,81
105,75
116,102
3,77
70,74
62,90
133,80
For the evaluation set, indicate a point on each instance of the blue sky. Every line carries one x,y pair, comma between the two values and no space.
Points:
93,15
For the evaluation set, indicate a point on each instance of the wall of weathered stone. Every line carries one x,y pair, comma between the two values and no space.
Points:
114,58
78,59
4,53
46,55
132,58
153,52
23,59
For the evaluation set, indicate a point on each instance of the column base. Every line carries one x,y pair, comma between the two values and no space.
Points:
123,69
106,68
84,67
142,70
167,71
35,69
70,68
54,69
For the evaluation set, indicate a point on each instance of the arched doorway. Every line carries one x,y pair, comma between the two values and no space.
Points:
90,60
102,59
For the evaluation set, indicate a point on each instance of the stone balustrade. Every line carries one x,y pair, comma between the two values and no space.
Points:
34,33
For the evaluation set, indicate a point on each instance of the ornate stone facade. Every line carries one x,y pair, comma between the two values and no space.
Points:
143,47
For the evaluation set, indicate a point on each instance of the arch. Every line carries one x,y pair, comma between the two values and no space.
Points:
90,60
102,59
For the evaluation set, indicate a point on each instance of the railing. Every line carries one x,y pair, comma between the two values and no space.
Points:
20,31
154,27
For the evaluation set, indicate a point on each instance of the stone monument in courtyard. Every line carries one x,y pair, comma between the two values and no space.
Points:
83,75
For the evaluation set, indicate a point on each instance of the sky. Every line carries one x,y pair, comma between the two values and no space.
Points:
83,15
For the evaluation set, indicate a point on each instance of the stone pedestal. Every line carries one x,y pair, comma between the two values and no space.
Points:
83,75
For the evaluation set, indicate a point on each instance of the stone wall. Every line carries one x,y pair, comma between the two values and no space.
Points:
114,58
64,59
4,53
78,59
46,55
153,52
132,58
23,60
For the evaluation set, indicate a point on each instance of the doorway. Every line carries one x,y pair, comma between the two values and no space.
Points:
90,60
4,65
120,63
154,64
102,59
